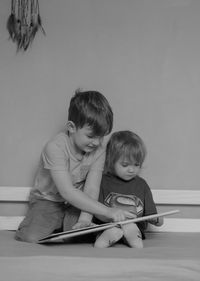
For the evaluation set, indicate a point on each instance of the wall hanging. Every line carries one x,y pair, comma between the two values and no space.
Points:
24,22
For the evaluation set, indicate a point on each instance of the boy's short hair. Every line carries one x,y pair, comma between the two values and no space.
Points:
91,108
124,144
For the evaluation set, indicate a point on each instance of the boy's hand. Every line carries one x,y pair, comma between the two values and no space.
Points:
82,224
116,214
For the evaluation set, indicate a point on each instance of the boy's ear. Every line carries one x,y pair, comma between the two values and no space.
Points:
71,127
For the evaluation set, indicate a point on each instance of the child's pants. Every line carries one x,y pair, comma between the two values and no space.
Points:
44,217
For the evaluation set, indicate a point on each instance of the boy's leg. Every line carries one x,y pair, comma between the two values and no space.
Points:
71,217
132,235
109,237
42,218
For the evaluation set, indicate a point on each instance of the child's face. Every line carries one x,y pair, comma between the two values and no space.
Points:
126,170
84,141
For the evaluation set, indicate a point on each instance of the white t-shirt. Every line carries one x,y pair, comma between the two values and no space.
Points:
57,156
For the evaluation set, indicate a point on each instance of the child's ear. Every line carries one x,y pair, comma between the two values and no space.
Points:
71,127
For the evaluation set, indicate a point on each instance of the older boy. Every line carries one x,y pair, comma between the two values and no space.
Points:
70,171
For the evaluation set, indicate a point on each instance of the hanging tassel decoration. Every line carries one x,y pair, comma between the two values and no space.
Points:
24,22
12,22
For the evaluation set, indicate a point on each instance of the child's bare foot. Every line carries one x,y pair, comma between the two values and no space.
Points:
132,235
109,237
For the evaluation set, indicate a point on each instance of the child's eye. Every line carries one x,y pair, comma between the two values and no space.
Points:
137,165
124,164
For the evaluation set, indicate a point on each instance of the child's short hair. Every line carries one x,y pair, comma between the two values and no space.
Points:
124,144
91,108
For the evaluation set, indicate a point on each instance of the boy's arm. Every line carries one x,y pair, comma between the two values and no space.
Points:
82,201
92,190
55,161
102,218
92,187
75,196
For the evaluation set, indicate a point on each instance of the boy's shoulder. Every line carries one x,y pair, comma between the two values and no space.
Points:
60,144
60,137
56,143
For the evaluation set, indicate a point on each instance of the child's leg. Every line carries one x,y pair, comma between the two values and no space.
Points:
132,235
109,237
43,217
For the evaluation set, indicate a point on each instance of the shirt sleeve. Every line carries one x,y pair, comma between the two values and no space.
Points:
149,208
54,157
98,164
101,192
149,204
94,176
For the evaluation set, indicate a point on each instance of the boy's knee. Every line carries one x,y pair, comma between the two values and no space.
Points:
27,237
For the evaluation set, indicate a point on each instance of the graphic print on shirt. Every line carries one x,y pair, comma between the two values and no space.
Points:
127,202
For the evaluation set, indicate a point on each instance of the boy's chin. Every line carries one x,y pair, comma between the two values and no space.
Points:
89,149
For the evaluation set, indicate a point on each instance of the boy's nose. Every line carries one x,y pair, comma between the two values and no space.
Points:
96,141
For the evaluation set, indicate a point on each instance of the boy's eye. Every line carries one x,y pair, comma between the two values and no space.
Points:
89,136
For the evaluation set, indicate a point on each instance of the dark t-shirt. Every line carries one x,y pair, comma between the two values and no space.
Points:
134,195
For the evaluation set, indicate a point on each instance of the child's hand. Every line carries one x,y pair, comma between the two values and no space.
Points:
157,221
160,221
116,214
82,224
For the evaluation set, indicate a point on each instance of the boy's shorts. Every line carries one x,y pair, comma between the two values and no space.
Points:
44,217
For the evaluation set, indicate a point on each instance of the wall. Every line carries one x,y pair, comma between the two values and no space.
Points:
142,54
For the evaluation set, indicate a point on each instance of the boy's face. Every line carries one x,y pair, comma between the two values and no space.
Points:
84,141
125,169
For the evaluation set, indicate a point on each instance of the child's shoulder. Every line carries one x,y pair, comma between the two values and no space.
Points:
141,181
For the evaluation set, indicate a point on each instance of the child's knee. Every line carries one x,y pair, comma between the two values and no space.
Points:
117,233
133,236
108,237
131,227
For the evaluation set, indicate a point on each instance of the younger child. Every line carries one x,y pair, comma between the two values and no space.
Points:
122,187
70,171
